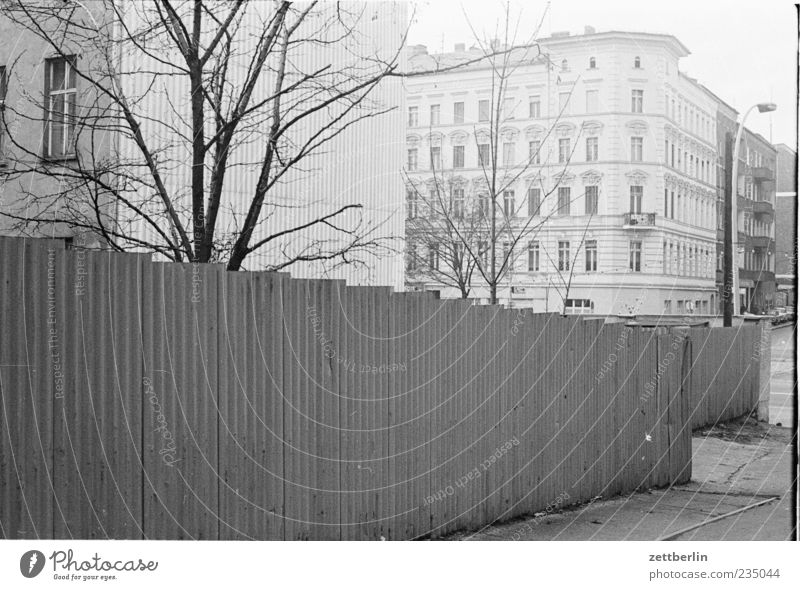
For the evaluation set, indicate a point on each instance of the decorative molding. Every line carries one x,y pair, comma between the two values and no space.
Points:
533,132
434,138
591,177
565,129
637,176
413,139
637,126
509,133
458,137
592,128
563,178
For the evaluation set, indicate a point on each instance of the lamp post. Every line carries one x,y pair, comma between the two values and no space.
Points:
763,107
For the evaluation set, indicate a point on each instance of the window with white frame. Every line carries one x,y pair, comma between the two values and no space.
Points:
458,203
483,154
508,108
591,197
413,156
591,255
508,203
564,196
636,194
564,151
534,107
458,112
458,156
433,256
435,114
413,116
534,152
591,149
637,145
533,256
637,100
412,203
578,306
534,201
563,255
635,262
484,110
436,157
60,99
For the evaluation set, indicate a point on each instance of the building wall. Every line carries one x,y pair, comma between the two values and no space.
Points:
689,227
786,212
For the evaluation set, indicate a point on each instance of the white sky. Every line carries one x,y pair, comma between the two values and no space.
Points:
745,52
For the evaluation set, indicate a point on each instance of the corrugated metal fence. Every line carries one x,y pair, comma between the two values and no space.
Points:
164,401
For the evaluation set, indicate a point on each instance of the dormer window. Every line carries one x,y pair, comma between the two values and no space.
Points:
637,62
592,63
564,65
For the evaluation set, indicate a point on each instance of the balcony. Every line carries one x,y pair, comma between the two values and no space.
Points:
762,173
763,208
639,220
763,242
756,275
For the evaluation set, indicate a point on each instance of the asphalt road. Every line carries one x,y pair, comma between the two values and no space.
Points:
782,379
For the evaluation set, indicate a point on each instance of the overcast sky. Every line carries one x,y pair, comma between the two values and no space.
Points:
745,52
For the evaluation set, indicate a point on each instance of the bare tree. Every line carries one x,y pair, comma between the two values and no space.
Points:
477,225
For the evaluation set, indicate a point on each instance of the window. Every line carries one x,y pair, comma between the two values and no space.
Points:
591,200
534,201
591,255
636,149
591,149
458,112
508,203
578,306
412,203
533,256
591,101
508,108
563,200
534,149
563,150
458,203
484,106
413,116
483,154
483,253
534,107
563,103
592,63
435,114
458,156
508,153
636,198
411,257
412,159
637,100
436,157
563,255
668,306
564,65
636,257
484,205
637,62
60,93
3,91
433,256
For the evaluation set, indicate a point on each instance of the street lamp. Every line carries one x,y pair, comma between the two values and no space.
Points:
763,107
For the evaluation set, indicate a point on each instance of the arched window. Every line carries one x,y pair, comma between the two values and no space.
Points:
564,65
637,62
592,63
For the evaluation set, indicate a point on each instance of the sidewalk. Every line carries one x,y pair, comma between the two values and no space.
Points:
733,465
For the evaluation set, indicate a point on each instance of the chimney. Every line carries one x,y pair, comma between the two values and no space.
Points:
460,48
558,34
588,30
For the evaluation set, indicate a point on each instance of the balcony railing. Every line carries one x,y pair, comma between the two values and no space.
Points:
639,220
762,242
756,275
763,208
762,173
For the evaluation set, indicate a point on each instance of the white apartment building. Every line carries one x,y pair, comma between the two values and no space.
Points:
628,143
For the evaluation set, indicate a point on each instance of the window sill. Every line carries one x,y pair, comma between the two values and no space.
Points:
59,159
